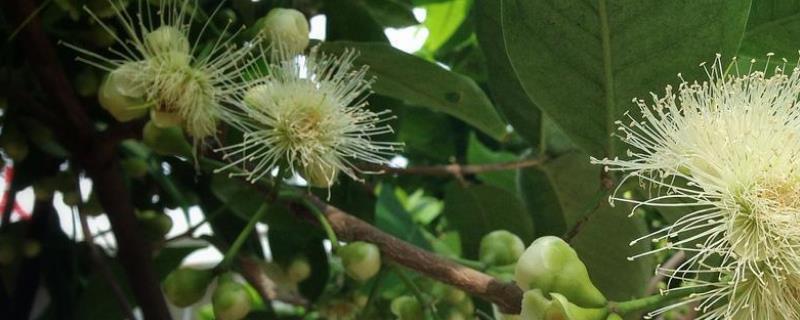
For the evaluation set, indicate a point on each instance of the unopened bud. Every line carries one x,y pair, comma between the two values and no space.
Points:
122,94
501,248
185,286
287,28
552,266
230,300
361,260
167,39
535,306
407,308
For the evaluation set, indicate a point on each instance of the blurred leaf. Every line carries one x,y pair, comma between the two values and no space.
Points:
477,153
241,198
567,190
442,20
392,217
583,62
391,13
504,83
774,26
350,20
479,209
426,133
419,82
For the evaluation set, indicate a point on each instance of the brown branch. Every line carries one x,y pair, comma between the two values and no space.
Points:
455,169
102,267
507,296
671,264
96,155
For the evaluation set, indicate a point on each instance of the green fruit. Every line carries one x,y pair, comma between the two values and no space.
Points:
185,286
166,141
552,266
500,248
230,299
122,92
361,260
154,225
287,28
407,308
298,270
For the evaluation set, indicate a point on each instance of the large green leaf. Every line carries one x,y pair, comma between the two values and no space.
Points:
566,191
477,153
419,82
392,217
583,61
479,209
774,26
504,84
442,20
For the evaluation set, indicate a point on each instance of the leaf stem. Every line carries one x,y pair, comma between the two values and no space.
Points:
242,237
326,225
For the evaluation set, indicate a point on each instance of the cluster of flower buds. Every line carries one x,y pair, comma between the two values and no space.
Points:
230,299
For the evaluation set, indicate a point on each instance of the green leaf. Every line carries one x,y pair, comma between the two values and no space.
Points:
241,197
392,217
479,209
442,20
582,62
477,153
504,83
419,82
774,26
391,13
350,20
567,191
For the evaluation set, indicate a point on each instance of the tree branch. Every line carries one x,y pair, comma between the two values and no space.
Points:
507,296
455,169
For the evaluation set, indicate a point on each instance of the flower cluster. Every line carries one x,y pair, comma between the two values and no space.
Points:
729,150
304,113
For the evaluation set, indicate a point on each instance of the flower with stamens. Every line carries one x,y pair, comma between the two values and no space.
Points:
178,83
729,149
310,114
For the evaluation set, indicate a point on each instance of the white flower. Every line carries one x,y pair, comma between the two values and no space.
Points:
310,114
180,84
729,149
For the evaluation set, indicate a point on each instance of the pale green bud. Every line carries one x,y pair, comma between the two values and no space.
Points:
298,270
552,266
407,308
361,260
185,286
500,247
230,300
287,28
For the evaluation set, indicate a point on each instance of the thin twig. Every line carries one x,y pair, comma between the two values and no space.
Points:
455,169
105,272
673,262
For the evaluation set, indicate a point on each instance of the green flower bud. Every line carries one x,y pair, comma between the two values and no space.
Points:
298,270
288,27
361,260
13,143
122,94
166,141
154,225
185,286
407,308
230,299
500,248
535,306
320,175
135,167
167,39
552,266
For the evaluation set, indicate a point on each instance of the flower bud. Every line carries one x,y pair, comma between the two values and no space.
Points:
298,270
166,39
166,141
121,94
185,286
552,266
500,247
407,308
320,175
287,28
361,260
230,300
153,225
614,316
535,306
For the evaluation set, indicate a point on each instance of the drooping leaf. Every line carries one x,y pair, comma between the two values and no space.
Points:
418,82
392,217
477,153
582,62
479,209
